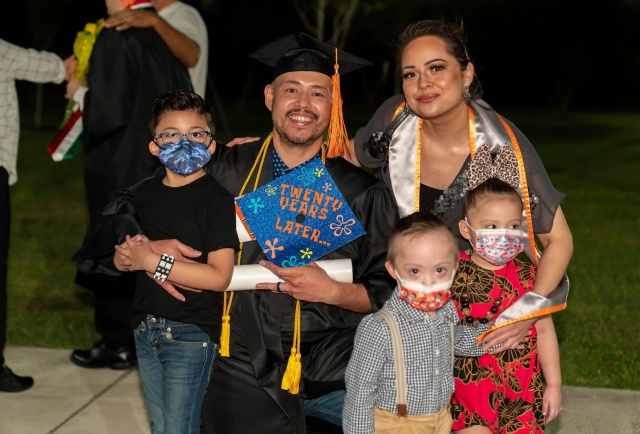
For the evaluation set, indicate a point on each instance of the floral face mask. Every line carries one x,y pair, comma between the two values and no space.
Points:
498,246
427,298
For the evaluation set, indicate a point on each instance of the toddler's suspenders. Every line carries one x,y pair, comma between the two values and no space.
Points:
398,360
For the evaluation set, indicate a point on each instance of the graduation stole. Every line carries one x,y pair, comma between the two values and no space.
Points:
486,127
68,141
293,371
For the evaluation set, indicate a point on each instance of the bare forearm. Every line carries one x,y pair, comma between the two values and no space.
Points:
548,352
352,296
558,249
191,274
180,45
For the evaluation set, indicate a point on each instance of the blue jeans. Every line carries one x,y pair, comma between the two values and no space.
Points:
175,361
326,407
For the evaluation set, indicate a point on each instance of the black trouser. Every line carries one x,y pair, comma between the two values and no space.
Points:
5,221
114,296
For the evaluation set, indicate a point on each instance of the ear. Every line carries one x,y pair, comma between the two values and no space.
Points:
153,148
268,96
212,147
391,270
464,230
468,74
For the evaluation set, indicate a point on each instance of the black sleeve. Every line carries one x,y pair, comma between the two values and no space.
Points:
221,224
377,213
377,124
118,220
545,198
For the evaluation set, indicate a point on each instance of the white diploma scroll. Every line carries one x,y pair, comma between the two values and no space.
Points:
247,276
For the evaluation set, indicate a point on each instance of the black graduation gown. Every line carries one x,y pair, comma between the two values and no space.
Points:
128,70
245,394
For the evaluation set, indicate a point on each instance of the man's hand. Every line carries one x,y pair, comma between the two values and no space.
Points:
180,251
70,65
510,336
308,283
126,18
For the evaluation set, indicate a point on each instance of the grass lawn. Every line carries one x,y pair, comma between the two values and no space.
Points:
592,157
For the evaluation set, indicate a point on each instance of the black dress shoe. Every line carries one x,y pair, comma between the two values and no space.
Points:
100,356
10,382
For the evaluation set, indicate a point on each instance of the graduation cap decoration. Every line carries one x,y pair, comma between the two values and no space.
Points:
302,52
300,216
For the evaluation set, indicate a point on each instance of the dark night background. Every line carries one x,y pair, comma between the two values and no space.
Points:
563,55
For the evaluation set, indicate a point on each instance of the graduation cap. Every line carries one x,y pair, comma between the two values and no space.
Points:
302,52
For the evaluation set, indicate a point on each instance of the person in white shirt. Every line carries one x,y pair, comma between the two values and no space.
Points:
17,63
181,27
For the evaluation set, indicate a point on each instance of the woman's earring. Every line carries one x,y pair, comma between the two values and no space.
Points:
466,95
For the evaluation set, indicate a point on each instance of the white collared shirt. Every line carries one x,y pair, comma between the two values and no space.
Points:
17,63
186,19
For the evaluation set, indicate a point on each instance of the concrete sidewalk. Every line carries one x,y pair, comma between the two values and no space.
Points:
67,399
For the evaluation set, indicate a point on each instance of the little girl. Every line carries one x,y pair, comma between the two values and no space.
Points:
501,392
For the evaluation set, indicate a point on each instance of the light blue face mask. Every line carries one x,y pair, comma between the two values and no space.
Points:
184,157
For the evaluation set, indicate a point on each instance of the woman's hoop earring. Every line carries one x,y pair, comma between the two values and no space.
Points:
466,95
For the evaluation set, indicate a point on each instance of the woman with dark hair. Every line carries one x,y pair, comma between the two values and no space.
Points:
422,142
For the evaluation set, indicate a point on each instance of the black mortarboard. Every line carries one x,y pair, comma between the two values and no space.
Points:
302,52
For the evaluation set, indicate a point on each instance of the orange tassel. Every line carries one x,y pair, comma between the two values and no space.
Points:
337,134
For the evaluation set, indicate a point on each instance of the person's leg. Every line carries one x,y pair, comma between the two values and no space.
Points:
113,298
9,382
326,407
151,373
5,221
187,354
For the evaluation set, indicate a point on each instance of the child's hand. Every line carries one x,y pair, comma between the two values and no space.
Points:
140,253
551,402
122,256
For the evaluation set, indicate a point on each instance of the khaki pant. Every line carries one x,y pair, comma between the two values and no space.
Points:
386,422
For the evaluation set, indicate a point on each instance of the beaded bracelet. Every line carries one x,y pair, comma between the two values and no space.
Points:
164,267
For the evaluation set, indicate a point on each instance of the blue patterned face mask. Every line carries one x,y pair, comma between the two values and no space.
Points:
184,157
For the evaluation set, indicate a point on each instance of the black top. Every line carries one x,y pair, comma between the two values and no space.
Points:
200,214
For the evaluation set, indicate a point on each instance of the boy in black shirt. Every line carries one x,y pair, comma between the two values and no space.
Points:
176,339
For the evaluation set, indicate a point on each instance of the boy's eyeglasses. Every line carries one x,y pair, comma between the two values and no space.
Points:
174,137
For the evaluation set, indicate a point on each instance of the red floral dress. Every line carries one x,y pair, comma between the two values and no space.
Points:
504,391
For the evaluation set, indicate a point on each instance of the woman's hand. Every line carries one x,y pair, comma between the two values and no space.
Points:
510,336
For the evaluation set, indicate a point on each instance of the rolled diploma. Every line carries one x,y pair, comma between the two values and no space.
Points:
246,276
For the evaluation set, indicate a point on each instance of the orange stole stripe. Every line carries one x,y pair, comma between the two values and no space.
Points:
525,191
416,182
244,221
538,313
472,132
